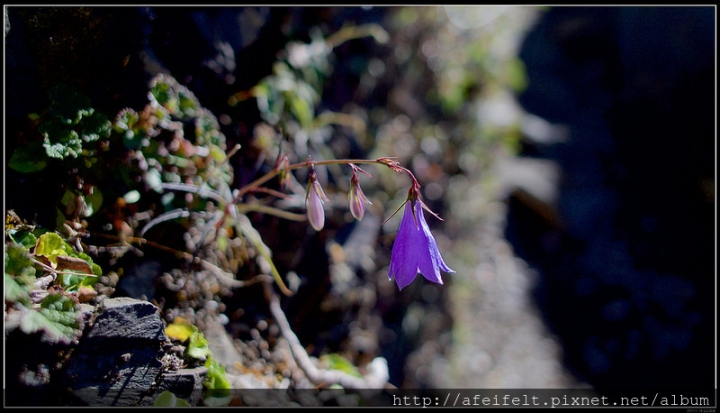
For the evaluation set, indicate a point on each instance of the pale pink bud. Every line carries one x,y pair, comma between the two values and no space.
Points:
314,203
357,198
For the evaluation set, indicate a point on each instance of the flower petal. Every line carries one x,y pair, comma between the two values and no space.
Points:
415,250
407,246
431,264
315,210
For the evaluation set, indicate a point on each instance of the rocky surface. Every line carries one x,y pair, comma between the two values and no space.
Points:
122,359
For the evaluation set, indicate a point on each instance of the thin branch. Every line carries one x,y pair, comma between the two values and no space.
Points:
265,209
206,192
376,379
167,216
244,227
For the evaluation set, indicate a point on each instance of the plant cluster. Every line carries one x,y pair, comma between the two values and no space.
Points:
169,162
45,280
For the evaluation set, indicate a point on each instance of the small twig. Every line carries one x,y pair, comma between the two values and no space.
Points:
206,192
244,226
376,379
167,216
268,210
224,278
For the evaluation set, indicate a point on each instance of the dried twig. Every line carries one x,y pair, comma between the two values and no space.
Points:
378,374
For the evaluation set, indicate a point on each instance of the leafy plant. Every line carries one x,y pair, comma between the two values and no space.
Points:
70,128
169,399
197,345
335,361
45,278
216,382
165,152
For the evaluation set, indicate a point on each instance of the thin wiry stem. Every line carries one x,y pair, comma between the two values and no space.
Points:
377,379
206,192
251,234
290,216
167,216
225,278
306,164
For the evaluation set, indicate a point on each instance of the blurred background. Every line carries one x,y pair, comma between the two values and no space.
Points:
570,151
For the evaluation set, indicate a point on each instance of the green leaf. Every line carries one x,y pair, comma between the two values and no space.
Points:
64,143
17,260
198,348
94,201
68,104
68,196
25,238
96,126
217,385
216,378
337,362
15,292
57,319
180,331
168,399
516,75
51,245
302,110
28,159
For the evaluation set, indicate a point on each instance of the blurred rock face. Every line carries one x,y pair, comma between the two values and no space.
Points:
627,275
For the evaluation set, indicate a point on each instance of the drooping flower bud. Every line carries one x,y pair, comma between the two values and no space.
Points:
356,197
314,199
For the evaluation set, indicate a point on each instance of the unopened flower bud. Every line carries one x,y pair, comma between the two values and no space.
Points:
314,203
357,198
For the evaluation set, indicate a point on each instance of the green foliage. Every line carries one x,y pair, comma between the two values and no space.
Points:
216,382
17,261
51,245
197,159
169,399
41,272
335,361
217,385
30,158
69,128
289,97
174,97
57,318
197,347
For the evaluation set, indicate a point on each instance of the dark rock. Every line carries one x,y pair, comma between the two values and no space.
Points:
128,318
118,361
184,383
